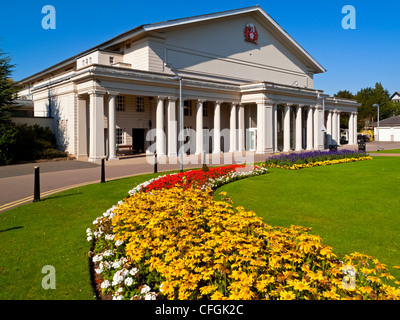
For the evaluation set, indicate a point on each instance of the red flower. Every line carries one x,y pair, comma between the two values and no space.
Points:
189,177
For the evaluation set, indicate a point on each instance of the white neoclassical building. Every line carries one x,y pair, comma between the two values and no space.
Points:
236,79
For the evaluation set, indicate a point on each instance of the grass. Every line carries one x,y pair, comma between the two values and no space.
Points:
53,232
386,151
352,206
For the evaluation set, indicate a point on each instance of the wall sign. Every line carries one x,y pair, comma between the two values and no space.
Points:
250,33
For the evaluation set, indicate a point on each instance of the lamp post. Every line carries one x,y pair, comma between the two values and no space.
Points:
377,129
180,122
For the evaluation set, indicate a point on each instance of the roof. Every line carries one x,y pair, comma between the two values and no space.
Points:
397,92
143,29
388,122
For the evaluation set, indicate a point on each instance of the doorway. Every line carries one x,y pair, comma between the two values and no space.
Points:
138,140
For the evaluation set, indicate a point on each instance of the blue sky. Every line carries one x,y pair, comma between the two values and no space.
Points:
354,59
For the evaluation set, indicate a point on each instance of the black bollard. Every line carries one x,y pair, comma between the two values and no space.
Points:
36,190
155,162
103,174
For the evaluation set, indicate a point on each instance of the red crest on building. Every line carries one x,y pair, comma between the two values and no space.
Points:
250,33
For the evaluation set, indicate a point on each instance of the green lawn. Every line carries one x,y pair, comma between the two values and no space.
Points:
53,232
352,206
386,151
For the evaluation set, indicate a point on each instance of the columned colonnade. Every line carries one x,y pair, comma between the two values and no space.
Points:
302,132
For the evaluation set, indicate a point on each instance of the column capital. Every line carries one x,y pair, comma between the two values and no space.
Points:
113,93
172,98
201,100
97,92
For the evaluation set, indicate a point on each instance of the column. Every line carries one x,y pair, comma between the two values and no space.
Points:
160,134
329,128
172,127
268,128
217,128
112,123
317,127
275,124
351,129
96,134
241,132
338,127
334,128
232,131
355,128
299,128
309,128
260,144
286,128
199,127
82,127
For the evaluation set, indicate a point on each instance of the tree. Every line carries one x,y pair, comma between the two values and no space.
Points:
8,90
344,94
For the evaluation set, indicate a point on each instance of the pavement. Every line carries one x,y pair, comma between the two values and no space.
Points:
17,181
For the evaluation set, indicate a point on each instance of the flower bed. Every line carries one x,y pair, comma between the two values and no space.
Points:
176,242
214,177
295,161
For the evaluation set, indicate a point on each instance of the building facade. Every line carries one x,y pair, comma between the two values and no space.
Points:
236,79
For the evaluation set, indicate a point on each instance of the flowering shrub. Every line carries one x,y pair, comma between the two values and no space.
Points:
294,161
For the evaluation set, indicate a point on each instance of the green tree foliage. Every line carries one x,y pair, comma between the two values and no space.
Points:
369,96
8,90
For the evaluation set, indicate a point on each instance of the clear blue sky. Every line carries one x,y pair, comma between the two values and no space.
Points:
354,59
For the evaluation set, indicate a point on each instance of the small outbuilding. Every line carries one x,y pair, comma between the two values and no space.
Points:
389,129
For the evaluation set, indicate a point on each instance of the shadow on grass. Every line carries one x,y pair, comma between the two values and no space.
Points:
60,196
14,228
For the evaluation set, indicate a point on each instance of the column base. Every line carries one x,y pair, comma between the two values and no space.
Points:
112,158
94,159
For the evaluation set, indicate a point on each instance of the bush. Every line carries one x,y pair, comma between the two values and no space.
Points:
8,142
52,153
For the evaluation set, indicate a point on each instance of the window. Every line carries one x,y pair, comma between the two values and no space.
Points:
120,103
187,110
119,136
139,104
111,60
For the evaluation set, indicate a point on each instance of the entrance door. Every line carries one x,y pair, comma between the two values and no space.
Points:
138,140
251,135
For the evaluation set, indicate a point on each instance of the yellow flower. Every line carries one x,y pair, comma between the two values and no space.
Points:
287,295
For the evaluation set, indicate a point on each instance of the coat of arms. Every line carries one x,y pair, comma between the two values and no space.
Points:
250,33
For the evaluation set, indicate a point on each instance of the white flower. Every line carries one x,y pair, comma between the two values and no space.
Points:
145,289
105,284
89,238
109,237
97,258
100,269
119,242
116,264
108,253
134,271
150,296
128,281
